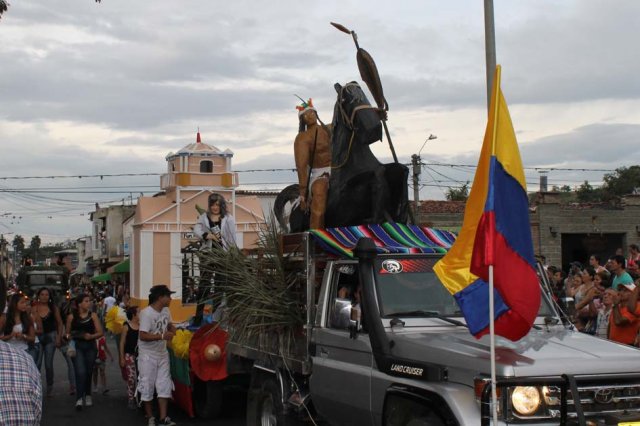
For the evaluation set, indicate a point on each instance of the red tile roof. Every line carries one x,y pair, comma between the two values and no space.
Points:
440,206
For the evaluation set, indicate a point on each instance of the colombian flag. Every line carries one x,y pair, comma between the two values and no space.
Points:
495,231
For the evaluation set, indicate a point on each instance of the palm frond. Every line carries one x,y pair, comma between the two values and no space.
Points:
263,294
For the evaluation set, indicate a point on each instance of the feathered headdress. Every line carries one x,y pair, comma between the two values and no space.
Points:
305,106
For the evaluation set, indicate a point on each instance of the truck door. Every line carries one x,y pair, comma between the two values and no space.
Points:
341,378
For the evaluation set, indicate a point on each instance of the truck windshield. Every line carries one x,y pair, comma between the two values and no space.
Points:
410,286
47,280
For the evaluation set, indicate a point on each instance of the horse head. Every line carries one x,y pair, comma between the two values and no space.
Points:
355,125
361,189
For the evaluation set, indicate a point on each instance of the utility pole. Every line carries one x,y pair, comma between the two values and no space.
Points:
15,266
415,162
490,47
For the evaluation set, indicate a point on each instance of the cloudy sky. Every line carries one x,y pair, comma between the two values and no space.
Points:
110,88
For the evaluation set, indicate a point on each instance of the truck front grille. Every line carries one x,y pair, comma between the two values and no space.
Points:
597,399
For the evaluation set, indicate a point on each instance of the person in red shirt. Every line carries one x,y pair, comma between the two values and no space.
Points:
633,262
625,316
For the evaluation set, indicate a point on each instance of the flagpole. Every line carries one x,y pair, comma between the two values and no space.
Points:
489,47
490,54
492,334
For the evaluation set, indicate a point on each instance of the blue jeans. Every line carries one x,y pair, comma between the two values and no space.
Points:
34,350
71,374
86,352
47,351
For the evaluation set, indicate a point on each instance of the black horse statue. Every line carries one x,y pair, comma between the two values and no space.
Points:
361,189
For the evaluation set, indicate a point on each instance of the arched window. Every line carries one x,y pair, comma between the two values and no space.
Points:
206,166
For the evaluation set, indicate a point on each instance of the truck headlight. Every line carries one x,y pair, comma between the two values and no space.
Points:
525,400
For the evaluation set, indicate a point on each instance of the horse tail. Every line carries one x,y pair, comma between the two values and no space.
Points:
287,195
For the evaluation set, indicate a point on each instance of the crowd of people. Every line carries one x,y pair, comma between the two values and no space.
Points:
602,299
35,328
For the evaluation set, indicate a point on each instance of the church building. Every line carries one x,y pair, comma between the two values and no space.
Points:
163,243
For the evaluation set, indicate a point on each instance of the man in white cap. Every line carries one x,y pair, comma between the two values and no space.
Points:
153,359
312,151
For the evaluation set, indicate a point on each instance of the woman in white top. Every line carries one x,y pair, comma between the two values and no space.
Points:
216,227
17,326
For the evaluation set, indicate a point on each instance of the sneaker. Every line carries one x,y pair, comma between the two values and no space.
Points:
167,422
151,421
79,404
88,401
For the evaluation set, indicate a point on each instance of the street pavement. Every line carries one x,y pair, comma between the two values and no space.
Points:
110,409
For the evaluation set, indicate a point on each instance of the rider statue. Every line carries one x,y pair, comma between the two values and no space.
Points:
312,150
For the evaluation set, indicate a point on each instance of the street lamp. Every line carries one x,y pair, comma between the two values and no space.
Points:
430,138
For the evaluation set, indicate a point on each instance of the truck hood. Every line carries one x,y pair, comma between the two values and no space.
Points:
541,353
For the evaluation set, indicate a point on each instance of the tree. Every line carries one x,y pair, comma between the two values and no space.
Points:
48,251
458,194
18,240
3,7
34,246
624,181
588,194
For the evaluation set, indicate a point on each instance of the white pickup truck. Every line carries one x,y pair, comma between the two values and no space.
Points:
410,360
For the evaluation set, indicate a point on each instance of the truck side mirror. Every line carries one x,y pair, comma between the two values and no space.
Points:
341,314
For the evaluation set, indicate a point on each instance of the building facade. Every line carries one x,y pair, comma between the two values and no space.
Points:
561,232
6,259
572,232
106,244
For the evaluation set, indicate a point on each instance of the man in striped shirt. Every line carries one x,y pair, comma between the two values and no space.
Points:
20,384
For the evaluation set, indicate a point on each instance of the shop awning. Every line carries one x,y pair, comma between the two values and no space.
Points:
120,268
101,278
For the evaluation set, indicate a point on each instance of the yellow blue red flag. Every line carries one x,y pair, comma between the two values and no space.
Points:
495,231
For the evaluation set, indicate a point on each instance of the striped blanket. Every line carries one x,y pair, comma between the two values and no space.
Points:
388,238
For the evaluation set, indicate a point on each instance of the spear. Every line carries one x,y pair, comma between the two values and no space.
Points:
369,74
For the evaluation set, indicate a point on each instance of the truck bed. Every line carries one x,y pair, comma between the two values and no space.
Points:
295,360
305,259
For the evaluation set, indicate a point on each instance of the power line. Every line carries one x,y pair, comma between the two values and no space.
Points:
35,191
275,169
104,175
449,178
564,169
265,170
84,187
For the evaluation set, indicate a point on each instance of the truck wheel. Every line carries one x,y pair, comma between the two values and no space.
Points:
207,398
417,419
264,405
429,420
407,412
